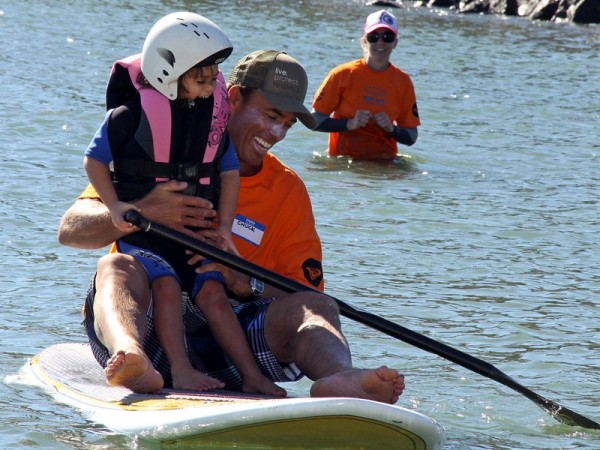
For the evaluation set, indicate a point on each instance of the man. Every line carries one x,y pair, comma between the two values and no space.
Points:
291,334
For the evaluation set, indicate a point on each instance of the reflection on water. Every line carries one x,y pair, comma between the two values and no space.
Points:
401,167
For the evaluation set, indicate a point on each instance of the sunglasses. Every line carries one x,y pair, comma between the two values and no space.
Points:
387,37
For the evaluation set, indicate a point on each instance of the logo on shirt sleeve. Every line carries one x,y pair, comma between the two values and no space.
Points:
313,271
415,110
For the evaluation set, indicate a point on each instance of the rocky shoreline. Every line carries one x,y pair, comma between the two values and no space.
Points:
578,11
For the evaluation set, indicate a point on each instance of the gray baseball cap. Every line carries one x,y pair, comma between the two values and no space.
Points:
280,78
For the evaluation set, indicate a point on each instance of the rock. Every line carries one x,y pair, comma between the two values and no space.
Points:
584,11
544,10
579,11
474,6
504,7
441,3
384,4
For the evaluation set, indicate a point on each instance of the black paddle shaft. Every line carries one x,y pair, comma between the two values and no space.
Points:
465,360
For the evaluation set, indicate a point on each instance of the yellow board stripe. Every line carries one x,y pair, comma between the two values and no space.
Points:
152,404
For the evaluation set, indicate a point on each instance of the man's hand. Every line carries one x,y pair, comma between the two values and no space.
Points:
166,205
87,223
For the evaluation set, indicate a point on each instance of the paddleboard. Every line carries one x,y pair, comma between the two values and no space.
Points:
228,419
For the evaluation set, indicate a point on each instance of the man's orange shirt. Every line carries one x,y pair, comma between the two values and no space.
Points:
274,225
353,86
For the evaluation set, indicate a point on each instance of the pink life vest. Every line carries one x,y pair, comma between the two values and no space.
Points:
156,108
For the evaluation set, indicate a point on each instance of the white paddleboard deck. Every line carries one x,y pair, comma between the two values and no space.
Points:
229,419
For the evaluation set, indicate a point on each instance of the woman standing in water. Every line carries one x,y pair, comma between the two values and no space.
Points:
369,105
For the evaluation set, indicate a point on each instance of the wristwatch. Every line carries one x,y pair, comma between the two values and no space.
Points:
257,287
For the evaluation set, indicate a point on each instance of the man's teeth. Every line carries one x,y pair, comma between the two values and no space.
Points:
263,143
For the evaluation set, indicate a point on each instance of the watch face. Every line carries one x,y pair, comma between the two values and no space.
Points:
257,286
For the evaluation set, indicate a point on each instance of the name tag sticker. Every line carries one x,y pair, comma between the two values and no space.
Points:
248,229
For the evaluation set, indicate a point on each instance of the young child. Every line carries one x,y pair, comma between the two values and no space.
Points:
168,111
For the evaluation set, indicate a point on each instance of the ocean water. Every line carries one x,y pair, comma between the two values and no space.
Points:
484,237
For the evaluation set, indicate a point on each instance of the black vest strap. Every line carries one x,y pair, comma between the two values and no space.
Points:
134,178
137,169
132,191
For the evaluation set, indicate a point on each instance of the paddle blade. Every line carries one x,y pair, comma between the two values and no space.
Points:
559,412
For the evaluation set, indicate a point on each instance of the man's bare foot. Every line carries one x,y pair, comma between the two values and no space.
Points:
194,380
132,369
382,384
262,385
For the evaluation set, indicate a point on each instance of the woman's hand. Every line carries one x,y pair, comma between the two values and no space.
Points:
360,119
383,121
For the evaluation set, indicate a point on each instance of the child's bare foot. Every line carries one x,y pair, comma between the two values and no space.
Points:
132,369
194,380
382,384
260,384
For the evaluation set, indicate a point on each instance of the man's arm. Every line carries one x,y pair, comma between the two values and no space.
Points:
87,223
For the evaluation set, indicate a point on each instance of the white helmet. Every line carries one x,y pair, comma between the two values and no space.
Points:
178,42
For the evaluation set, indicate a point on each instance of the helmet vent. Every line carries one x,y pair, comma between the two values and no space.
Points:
201,34
167,55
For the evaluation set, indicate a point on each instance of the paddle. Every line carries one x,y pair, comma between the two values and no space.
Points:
557,411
